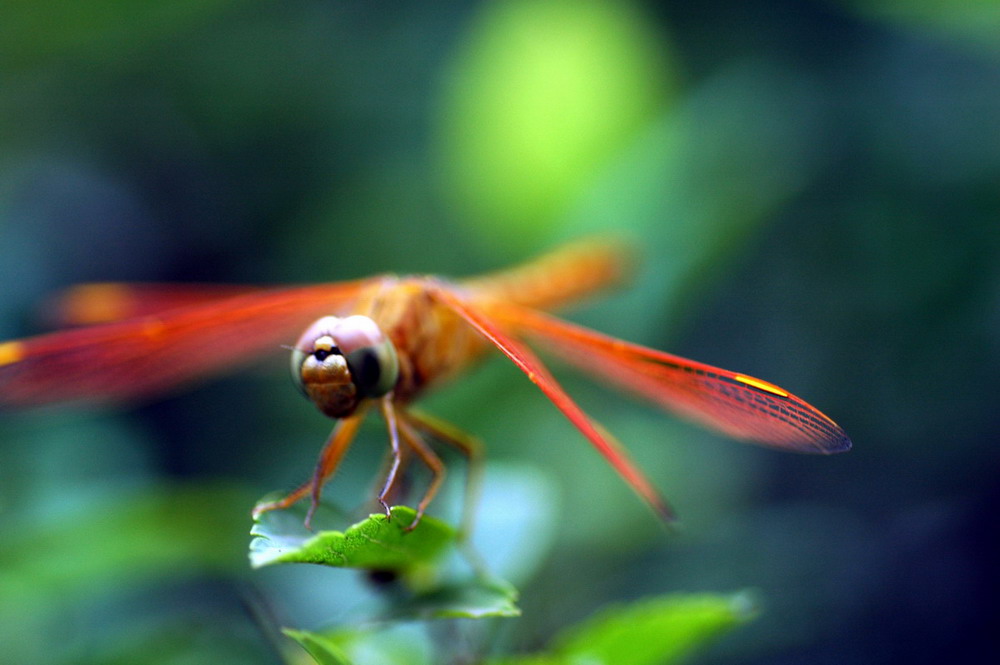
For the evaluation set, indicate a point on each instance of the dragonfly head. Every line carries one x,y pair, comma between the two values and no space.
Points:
338,362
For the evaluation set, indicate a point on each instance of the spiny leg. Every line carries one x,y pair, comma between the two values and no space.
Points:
389,413
333,451
398,486
433,462
473,450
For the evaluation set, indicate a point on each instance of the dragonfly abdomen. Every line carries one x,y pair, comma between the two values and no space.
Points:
559,277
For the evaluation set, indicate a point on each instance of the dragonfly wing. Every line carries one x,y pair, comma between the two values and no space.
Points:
529,363
729,402
150,354
103,302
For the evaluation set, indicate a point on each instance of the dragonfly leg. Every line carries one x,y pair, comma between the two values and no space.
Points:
389,412
470,446
333,451
428,457
395,492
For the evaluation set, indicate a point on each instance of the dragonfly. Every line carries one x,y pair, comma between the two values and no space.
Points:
379,343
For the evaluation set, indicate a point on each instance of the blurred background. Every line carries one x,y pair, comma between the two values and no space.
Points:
815,188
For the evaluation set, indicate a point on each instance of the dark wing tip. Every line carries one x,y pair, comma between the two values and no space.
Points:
840,445
836,441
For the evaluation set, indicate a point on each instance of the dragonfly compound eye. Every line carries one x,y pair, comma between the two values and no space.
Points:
371,356
320,370
339,362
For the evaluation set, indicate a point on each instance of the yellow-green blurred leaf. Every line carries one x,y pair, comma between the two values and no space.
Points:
324,651
655,631
540,96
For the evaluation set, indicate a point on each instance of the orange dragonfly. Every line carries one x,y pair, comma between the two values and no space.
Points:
380,343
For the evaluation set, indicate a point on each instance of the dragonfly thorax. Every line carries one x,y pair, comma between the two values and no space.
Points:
339,362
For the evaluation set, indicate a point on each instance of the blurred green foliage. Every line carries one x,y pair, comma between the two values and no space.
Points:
813,186
652,631
972,23
541,96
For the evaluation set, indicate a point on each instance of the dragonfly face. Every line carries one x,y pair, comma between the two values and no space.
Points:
338,362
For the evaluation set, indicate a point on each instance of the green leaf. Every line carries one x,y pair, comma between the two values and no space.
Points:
380,644
384,545
478,598
376,543
656,631
323,650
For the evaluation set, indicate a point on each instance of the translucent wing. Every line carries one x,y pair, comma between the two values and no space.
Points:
729,402
103,302
152,353
529,363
